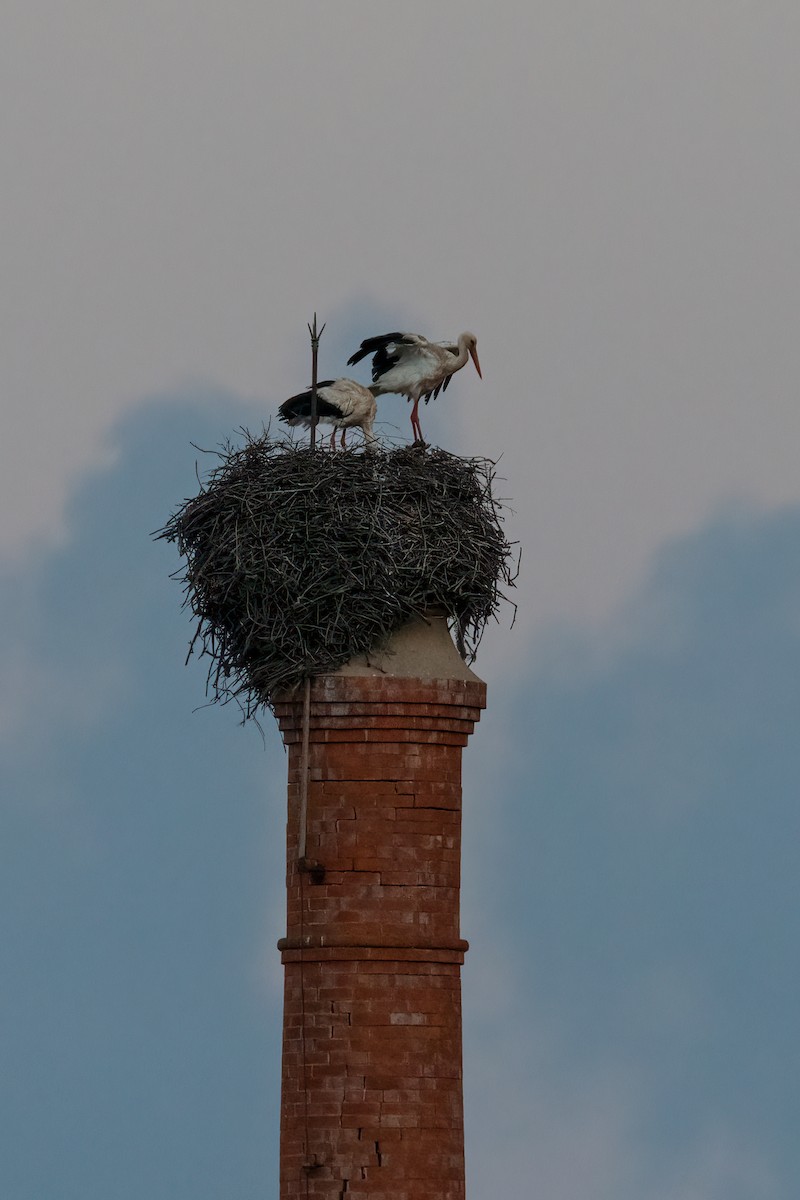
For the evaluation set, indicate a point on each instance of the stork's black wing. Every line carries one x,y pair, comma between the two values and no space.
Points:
298,408
387,350
374,345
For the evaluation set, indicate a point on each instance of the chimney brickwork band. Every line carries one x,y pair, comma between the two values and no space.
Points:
371,1101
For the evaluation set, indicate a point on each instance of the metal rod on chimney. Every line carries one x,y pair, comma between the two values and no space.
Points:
302,820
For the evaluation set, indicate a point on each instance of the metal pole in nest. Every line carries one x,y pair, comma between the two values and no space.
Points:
315,336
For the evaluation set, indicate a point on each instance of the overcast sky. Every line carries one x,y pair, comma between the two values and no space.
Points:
607,195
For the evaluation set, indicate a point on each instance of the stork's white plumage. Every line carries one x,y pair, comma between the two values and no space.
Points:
342,403
410,365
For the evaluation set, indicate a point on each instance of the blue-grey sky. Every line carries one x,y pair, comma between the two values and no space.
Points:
607,195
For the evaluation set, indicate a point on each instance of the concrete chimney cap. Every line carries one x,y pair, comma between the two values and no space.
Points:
420,649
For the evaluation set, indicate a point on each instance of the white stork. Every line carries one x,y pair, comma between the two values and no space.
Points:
409,364
342,403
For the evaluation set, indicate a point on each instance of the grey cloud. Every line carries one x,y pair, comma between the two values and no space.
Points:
630,886
644,839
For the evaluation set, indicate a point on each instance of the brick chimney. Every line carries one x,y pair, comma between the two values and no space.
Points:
371,1101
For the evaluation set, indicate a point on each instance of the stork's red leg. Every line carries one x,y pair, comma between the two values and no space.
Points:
415,425
344,444
333,438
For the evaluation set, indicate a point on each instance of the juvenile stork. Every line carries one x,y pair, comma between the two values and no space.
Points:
342,403
410,365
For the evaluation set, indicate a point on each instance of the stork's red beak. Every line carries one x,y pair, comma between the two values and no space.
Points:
473,353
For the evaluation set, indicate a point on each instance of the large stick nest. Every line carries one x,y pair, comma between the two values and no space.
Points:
296,560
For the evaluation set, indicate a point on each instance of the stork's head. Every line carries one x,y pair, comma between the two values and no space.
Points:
471,342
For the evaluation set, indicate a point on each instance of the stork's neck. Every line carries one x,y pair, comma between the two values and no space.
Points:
463,351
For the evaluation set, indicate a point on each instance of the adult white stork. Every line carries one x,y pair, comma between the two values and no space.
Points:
342,403
410,365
